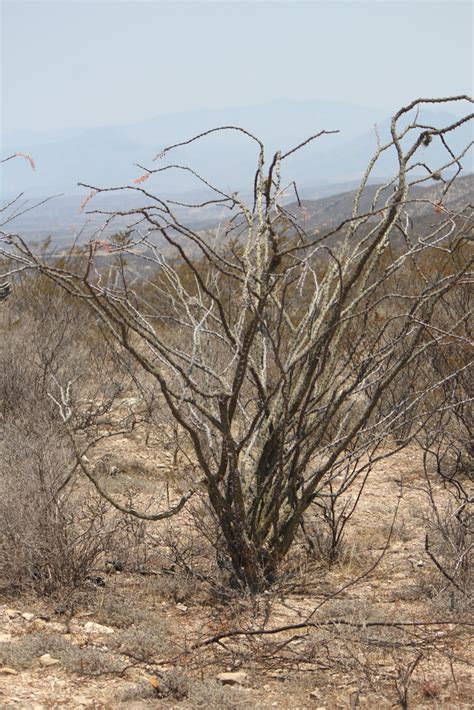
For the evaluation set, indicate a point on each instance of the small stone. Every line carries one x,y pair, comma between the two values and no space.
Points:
232,678
181,607
6,670
28,616
38,624
76,639
46,660
315,694
96,580
113,566
92,628
12,613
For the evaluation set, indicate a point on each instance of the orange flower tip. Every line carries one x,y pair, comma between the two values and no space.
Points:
27,157
87,199
141,178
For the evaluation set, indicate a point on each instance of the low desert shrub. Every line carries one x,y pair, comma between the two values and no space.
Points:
192,694
51,536
119,611
88,660
145,642
214,696
54,529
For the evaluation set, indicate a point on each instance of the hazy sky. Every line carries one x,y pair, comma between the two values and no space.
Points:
103,62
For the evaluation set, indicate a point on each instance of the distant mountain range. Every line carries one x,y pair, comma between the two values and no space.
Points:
62,220
326,171
106,156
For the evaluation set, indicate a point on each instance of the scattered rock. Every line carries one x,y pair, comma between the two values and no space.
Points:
315,694
76,639
28,616
46,660
92,628
96,580
181,607
38,624
114,566
232,677
5,670
11,613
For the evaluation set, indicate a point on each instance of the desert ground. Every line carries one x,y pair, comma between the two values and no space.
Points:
378,628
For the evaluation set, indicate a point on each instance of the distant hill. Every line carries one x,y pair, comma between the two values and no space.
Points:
327,213
62,219
106,156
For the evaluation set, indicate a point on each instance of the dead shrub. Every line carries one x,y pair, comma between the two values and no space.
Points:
53,529
50,537
449,524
